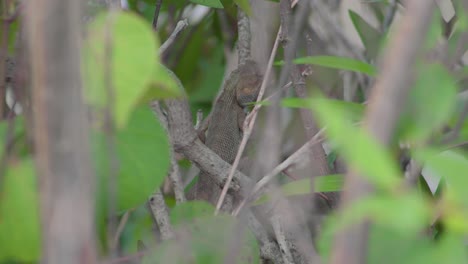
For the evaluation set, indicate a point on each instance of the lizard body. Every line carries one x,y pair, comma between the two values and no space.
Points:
224,131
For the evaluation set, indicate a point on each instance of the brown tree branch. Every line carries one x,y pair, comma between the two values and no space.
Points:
61,132
161,215
386,101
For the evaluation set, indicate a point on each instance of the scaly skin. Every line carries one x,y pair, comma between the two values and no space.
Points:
225,128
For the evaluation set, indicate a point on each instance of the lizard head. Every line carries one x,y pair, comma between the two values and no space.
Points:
250,80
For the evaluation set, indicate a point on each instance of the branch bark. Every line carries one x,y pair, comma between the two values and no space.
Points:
386,101
60,132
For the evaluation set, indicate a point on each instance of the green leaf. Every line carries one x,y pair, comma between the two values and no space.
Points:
139,226
188,211
370,37
405,213
341,63
164,84
212,72
450,165
120,53
412,248
142,152
325,183
19,213
209,3
245,6
353,112
431,103
359,149
208,240
451,249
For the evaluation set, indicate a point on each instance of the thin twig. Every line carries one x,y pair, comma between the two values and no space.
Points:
283,243
278,92
199,119
120,228
179,27
392,7
458,145
294,158
156,14
248,124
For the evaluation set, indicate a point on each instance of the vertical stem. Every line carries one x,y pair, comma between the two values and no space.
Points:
61,132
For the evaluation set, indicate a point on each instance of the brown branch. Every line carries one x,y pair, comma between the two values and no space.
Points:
185,141
386,101
174,174
161,215
61,132
170,40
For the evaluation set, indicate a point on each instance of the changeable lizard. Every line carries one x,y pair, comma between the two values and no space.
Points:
224,131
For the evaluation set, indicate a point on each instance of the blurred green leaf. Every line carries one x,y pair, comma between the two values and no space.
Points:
209,3
431,103
245,6
370,37
188,211
341,63
405,213
186,68
452,166
411,247
19,213
164,84
352,111
359,149
212,71
451,249
121,48
325,183
142,152
208,240
139,227
435,33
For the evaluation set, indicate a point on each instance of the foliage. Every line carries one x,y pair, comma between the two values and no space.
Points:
123,71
